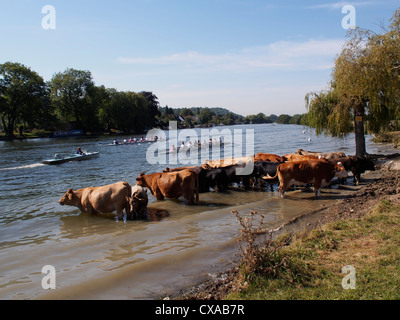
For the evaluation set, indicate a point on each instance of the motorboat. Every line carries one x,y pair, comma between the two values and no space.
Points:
61,158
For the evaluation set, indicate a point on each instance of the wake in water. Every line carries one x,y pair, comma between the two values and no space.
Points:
28,166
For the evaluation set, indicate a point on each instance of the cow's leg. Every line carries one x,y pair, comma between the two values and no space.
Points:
129,210
120,214
189,197
317,190
246,182
88,208
357,179
282,188
159,195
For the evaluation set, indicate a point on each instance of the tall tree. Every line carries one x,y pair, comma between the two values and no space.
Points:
70,94
152,107
364,91
22,96
205,115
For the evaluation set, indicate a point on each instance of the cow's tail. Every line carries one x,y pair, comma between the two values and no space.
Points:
269,178
128,197
273,179
126,184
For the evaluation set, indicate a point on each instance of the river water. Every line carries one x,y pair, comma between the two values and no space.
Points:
97,257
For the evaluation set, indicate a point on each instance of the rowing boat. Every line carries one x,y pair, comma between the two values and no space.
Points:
59,158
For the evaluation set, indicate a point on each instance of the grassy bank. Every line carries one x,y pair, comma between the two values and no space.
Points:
309,266
388,137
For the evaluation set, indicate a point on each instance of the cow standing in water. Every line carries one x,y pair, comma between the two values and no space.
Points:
104,199
138,202
172,185
318,172
356,165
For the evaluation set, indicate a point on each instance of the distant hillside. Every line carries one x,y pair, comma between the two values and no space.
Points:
196,111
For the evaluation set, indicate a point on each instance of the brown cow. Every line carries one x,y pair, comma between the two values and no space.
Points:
290,157
317,172
268,157
172,184
104,199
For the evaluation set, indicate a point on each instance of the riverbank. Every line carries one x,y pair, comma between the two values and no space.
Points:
303,258
392,137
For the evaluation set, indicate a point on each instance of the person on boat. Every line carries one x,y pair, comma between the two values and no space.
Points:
172,149
79,151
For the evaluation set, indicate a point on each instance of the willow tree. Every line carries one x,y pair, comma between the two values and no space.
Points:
364,93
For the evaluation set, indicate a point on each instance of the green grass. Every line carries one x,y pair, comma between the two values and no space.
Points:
310,266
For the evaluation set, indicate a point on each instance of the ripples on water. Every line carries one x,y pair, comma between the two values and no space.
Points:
34,225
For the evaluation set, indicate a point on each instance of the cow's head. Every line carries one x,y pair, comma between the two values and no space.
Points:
137,205
340,171
140,181
68,198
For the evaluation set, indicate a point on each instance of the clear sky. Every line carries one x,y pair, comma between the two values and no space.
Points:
247,56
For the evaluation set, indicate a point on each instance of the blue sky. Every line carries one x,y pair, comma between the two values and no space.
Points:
247,56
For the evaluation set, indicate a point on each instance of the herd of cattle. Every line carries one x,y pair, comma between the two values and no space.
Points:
300,168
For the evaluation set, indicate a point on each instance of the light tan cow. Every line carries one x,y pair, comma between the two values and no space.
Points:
104,199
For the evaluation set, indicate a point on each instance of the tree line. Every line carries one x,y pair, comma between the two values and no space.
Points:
198,116
72,101
69,101
364,91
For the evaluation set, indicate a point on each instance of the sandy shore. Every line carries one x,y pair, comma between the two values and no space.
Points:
383,182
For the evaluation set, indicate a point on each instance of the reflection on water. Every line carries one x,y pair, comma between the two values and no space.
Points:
97,257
